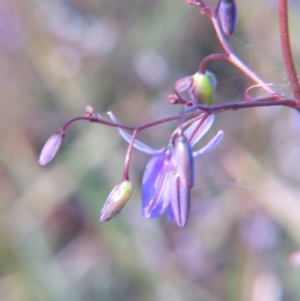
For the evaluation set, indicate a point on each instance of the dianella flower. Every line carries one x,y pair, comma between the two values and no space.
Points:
169,175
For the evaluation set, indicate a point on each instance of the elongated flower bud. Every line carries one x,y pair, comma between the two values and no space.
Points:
227,15
180,201
116,200
184,161
203,88
51,148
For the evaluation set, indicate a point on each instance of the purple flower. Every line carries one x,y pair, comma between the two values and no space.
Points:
169,175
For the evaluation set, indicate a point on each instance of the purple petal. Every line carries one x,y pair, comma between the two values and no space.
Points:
184,161
170,213
201,131
211,144
183,84
155,186
137,144
180,201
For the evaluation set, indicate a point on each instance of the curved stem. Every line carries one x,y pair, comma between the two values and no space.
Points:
286,48
122,126
214,56
128,156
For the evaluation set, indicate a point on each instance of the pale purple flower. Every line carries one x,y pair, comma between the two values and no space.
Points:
169,175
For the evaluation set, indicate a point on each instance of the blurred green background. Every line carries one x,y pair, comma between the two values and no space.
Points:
56,57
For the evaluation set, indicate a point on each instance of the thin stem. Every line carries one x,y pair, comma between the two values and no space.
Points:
122,126
214,56
96,120
231,56
234,59
128,156
263,102
286,48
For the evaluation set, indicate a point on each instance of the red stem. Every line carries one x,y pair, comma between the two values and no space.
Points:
128,156
263,102
122,126
286,48
233,58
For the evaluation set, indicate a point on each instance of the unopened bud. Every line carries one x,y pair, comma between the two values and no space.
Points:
227,15
116,200
51,148
203,88
184,161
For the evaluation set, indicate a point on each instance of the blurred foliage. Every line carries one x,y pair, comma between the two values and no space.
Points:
56,57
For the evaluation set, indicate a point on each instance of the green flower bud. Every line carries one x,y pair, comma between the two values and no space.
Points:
203,88
116,200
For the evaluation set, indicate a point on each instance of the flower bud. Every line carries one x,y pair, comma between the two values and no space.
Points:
227,15
184,161
51,148
203,88
116,200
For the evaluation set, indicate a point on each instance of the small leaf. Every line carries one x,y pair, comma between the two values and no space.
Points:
51,148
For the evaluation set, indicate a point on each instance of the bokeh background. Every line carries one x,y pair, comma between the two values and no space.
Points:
56,57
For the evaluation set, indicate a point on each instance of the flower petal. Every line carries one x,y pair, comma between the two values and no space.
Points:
170,213
201,131
156,186
180,201
210,145
184,161
137,144
183,84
